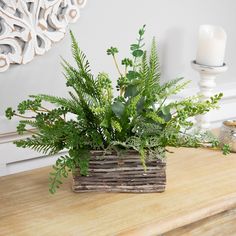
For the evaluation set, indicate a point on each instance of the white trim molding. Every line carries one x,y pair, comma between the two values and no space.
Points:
29,28
14,160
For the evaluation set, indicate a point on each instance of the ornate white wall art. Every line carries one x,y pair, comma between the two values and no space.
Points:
30,27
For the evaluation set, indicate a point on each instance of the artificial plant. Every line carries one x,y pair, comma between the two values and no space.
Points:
140,118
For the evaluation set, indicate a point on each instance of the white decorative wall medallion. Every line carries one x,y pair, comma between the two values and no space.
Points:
30,27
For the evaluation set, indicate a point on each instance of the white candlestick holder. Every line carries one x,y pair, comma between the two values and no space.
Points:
206,84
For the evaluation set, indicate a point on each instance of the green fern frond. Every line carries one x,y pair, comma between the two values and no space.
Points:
83,83
144,68
116,125
74,78
89,84
152,115
38,144
63,166
71,105
172,87
79,56
154,71
32,123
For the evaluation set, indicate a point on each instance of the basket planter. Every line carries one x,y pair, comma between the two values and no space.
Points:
125,173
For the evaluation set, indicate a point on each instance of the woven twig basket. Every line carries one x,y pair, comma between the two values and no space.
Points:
125,173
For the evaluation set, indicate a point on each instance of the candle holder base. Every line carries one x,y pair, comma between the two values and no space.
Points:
206,84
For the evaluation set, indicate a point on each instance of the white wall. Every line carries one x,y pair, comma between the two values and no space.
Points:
105,23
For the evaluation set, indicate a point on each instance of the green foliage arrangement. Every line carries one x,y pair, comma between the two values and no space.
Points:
140,118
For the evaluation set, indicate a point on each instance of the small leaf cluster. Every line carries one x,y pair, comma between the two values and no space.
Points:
226,149
112,51
9,113
140,118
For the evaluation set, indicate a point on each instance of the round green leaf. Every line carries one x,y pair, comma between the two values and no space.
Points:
131,91
118,108
137,53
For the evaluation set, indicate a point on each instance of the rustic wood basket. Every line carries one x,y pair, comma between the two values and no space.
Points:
125,173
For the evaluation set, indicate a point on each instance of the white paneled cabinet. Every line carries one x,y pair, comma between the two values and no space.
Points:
13,159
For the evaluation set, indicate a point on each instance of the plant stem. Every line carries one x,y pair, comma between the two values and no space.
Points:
37,112
159,108
25,117
122,90
30,131
117,67
126,68
45,109
135,58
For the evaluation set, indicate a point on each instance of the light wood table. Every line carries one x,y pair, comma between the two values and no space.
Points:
200,200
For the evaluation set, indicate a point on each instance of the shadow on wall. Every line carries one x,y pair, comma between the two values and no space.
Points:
172,54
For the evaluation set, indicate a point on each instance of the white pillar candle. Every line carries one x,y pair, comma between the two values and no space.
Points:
211,45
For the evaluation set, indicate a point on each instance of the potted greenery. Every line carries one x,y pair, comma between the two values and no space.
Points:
114,143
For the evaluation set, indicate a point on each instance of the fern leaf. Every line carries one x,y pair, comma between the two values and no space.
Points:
32,123
61,169
172,87
154,71
155,117
83,83
38,145
79,56
144,70
71,105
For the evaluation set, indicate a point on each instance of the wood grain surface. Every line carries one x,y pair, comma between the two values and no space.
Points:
200,183
222,224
